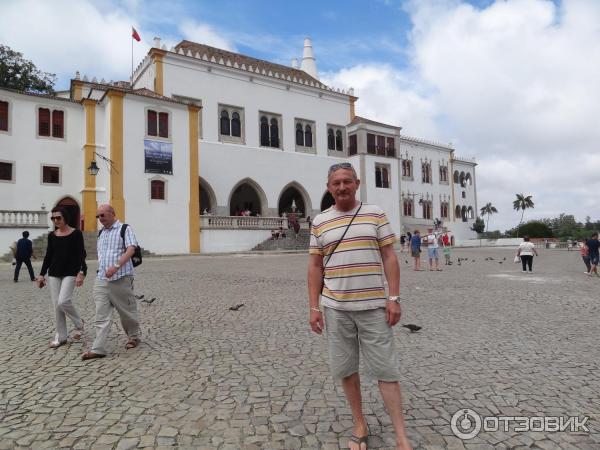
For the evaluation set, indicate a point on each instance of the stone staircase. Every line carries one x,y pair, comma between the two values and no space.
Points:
289,243
89,241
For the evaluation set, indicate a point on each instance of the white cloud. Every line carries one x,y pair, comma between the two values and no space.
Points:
515,84
199,32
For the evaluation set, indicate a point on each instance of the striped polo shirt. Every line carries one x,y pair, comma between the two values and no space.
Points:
354,277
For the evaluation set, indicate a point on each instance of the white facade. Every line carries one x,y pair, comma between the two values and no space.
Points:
234,171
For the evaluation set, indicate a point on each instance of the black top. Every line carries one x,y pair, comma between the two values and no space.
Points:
24,249
65,255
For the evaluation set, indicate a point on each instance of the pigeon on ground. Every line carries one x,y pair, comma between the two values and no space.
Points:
236,307
504,259
499,262
413,328
406,261
491,259
139,297
472,260
149,301
459,262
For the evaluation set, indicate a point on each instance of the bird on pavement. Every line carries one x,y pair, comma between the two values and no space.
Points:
236,307
149,301
139,297
413,328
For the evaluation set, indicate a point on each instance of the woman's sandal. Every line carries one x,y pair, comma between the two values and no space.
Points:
360,441
56,344
78,333
133,343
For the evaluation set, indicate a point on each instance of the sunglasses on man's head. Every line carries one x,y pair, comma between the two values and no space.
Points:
99,216
338,166
55,217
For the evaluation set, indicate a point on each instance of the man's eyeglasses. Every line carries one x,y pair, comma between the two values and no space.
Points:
99,216
55,218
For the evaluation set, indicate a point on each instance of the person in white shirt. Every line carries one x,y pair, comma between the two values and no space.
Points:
432,249
526,251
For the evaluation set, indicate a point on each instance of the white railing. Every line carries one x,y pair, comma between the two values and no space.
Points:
242,222
19,219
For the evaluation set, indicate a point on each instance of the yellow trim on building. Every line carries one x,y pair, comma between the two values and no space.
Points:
157,56
77,90
194,205
90,204
451,180
115,108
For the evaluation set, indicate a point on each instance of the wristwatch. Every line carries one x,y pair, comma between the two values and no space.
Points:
117,265
394,298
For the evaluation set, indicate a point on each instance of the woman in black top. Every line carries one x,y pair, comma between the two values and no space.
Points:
66,267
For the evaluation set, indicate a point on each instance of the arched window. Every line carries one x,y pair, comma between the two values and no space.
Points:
225,128
443,174
407,168
407,207
462,179
444,210
264,131
463,213
426,172
470,213
339,144
330,139
426,210
274,133
457,212
299,135
468,179
236,125
308,141
456,176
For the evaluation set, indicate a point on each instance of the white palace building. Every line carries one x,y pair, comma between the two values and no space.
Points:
202,130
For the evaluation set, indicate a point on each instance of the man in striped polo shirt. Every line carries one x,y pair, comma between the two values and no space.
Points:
351,250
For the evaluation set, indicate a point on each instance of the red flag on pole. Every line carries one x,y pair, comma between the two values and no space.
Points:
135,35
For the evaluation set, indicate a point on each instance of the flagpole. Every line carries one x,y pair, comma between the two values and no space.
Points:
131,82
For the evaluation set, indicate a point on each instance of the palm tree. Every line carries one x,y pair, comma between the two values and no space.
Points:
522,203
488,209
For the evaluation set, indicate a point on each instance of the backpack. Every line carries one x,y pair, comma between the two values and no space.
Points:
136,258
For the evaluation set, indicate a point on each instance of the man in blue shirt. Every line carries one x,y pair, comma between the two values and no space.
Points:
23,254
593,245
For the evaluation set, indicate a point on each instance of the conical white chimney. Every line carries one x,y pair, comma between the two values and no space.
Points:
309,64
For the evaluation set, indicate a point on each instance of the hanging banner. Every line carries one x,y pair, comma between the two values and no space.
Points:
158,157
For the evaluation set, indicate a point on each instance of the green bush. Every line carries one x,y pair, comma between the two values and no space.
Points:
535,229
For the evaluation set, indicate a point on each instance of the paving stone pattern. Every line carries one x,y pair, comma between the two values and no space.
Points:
494,340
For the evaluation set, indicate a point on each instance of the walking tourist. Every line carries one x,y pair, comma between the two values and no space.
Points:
585,256
349,243
113,288
402,243
593,244
23,253
65,265
525,252
432,250
415,249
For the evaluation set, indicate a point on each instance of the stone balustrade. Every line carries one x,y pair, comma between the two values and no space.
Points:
20,219
242,223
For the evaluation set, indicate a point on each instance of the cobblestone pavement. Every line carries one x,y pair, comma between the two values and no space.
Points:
494,340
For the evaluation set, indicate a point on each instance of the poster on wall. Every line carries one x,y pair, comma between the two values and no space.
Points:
158,157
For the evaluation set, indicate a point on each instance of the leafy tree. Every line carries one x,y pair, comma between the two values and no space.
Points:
522,203
22,75
534,229
478,225
488,209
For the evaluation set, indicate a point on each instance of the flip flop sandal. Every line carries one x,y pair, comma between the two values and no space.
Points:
56,344
91,355
360,441
133,343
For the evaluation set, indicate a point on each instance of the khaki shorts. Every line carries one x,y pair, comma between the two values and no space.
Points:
349,331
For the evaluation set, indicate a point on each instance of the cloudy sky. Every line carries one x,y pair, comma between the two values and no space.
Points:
515,83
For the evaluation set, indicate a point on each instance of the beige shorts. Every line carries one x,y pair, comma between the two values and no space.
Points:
349,331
